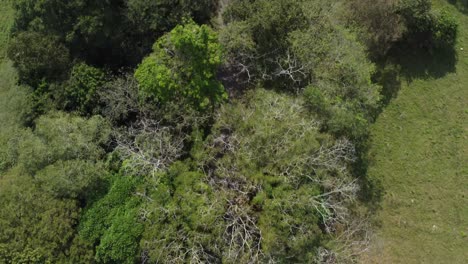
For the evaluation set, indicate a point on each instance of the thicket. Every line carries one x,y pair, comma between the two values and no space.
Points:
118,153
388,23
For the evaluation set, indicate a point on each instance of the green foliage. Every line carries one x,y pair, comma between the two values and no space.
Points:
38,58
89,29
112,33
184,218
343,94
70,179
63,137
51,172
269,21
315,100
162,16
272,132
112,223
377,23
35,227
445,30
433,30
281,239
266,157
342,69
293,45
183,66
15,111
256,36
80,90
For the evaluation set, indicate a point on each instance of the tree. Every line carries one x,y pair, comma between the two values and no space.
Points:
114,33
112,222
291,46
183,66
80,91
119,98
285,185
255,38
380,25
183,218
427,28
38,58
161,16
54,170
93,31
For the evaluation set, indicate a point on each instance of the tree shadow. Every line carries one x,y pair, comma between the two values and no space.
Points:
423,63
388,77
405,63
402,63
372,191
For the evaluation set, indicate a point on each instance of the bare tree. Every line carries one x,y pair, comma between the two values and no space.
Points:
149,147
241,234
120,98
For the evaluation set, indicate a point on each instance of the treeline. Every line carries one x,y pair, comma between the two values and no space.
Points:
196,131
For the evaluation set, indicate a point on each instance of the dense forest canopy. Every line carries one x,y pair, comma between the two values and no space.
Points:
197,131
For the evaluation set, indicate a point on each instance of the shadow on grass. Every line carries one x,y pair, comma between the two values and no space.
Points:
417,63
402,64
372,191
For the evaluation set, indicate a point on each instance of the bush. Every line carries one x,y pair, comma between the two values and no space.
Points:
426,27
445,29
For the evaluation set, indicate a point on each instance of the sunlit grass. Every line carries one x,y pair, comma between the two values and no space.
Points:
6,21
420,153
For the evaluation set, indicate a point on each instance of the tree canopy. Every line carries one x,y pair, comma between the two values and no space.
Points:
183,66
197,131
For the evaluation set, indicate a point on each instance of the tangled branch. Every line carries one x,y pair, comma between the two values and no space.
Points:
148,147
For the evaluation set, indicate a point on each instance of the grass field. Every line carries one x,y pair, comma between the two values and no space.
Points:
6,21
419,152
7,73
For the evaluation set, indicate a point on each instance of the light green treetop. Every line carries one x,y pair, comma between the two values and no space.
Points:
183,66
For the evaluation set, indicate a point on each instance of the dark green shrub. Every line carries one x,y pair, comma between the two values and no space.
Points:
112,33
38,58
445,29
80,90
162,16
427,28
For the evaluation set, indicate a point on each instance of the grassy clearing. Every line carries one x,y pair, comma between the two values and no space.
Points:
13,99
7,73
6,21
419,152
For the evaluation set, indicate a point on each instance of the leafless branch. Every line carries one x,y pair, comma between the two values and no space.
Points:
148,147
